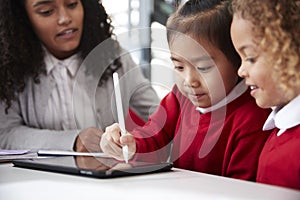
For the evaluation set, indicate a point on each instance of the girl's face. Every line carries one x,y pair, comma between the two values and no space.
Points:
260,76
57,23
202,72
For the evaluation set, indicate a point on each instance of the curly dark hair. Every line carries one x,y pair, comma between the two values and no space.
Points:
21,53
276,27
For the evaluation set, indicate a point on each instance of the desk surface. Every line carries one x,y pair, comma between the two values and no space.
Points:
17,183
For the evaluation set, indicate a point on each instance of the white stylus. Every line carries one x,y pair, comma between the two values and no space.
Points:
120,112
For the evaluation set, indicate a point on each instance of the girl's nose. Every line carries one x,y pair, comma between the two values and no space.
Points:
192,78
242,72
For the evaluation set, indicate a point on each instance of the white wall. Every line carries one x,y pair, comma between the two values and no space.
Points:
135,36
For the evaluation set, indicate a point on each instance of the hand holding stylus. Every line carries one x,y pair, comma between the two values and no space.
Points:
112,142
113,148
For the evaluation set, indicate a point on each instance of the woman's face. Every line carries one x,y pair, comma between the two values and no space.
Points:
57,23
259,74
202,72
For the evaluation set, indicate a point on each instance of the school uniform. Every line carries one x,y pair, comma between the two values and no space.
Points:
279,163
225,139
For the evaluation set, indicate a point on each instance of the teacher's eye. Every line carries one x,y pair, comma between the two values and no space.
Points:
46,12
73,4
204,69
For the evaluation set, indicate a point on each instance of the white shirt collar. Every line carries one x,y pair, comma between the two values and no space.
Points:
72,63
284,118
237,91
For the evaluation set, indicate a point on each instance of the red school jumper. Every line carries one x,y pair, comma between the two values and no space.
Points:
279,163
224,142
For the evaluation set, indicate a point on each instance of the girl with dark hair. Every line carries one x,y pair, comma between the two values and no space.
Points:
45,50
209,117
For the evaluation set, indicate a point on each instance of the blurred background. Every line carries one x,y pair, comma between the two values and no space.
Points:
139,25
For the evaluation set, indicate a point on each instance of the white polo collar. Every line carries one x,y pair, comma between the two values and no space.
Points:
237,91
284,118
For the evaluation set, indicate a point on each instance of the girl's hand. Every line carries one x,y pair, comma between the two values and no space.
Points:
112,142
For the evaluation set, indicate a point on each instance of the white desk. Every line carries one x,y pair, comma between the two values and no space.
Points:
19,184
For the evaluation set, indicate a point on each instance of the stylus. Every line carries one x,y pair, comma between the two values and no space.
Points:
120,112
46,152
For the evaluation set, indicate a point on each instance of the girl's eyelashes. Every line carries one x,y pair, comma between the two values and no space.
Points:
200,69
178,68
204,69
250,60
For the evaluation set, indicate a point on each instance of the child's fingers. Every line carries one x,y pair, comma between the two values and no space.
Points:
111,148
127,139
110,142
116,152
113,133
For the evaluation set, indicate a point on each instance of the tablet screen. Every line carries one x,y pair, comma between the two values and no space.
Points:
92,166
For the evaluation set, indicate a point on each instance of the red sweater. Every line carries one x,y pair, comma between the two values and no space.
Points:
224,142
279,163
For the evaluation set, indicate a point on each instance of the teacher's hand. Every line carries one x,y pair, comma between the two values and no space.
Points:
88,140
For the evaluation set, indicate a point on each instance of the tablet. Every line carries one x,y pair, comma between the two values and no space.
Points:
90,166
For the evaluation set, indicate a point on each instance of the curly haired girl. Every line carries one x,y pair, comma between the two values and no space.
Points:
266,35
